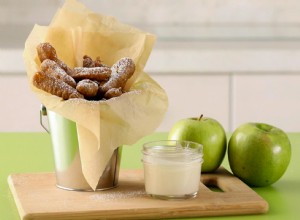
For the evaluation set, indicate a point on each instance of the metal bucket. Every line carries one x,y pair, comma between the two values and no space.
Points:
68,171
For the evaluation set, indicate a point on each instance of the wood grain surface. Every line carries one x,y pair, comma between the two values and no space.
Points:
37,197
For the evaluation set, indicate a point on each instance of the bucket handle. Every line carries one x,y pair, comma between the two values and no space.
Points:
43,112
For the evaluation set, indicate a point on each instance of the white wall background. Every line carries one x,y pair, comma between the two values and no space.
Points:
162,11
233,60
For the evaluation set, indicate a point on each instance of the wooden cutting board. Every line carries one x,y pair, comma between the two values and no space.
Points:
37,197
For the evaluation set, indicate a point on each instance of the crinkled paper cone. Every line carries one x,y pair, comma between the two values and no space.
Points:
102,126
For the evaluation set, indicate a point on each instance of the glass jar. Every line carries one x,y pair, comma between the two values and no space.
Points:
172,169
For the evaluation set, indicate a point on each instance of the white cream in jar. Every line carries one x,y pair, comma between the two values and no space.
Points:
172,169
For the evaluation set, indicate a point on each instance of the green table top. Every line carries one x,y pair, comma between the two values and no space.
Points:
31,152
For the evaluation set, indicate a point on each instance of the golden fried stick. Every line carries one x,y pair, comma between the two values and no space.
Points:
47,51
51,67
89,62
55,86
121,72
95,73
88,88
113,92
98,63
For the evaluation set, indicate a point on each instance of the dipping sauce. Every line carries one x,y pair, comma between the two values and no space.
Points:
172,169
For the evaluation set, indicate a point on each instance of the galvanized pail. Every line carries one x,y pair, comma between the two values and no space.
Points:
68,170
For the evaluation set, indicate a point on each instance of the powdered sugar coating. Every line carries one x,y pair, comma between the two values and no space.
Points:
117,195
106,82
46,51
51,67
113,92
121,72
54,86
87,87
95,73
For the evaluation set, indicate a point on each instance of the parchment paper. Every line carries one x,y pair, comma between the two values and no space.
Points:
102,126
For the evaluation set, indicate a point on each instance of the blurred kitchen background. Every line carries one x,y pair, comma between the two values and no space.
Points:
233,60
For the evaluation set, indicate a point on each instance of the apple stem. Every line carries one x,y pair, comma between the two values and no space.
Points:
201,116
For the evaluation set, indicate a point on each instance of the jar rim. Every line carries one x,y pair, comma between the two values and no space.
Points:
172,148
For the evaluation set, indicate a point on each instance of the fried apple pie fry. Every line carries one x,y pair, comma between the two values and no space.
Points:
88,88
95,73
98,63
47,51
55,86
121,72
51,67
89,62
95,80
113,92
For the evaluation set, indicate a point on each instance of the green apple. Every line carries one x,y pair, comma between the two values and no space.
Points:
259,153
205,131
